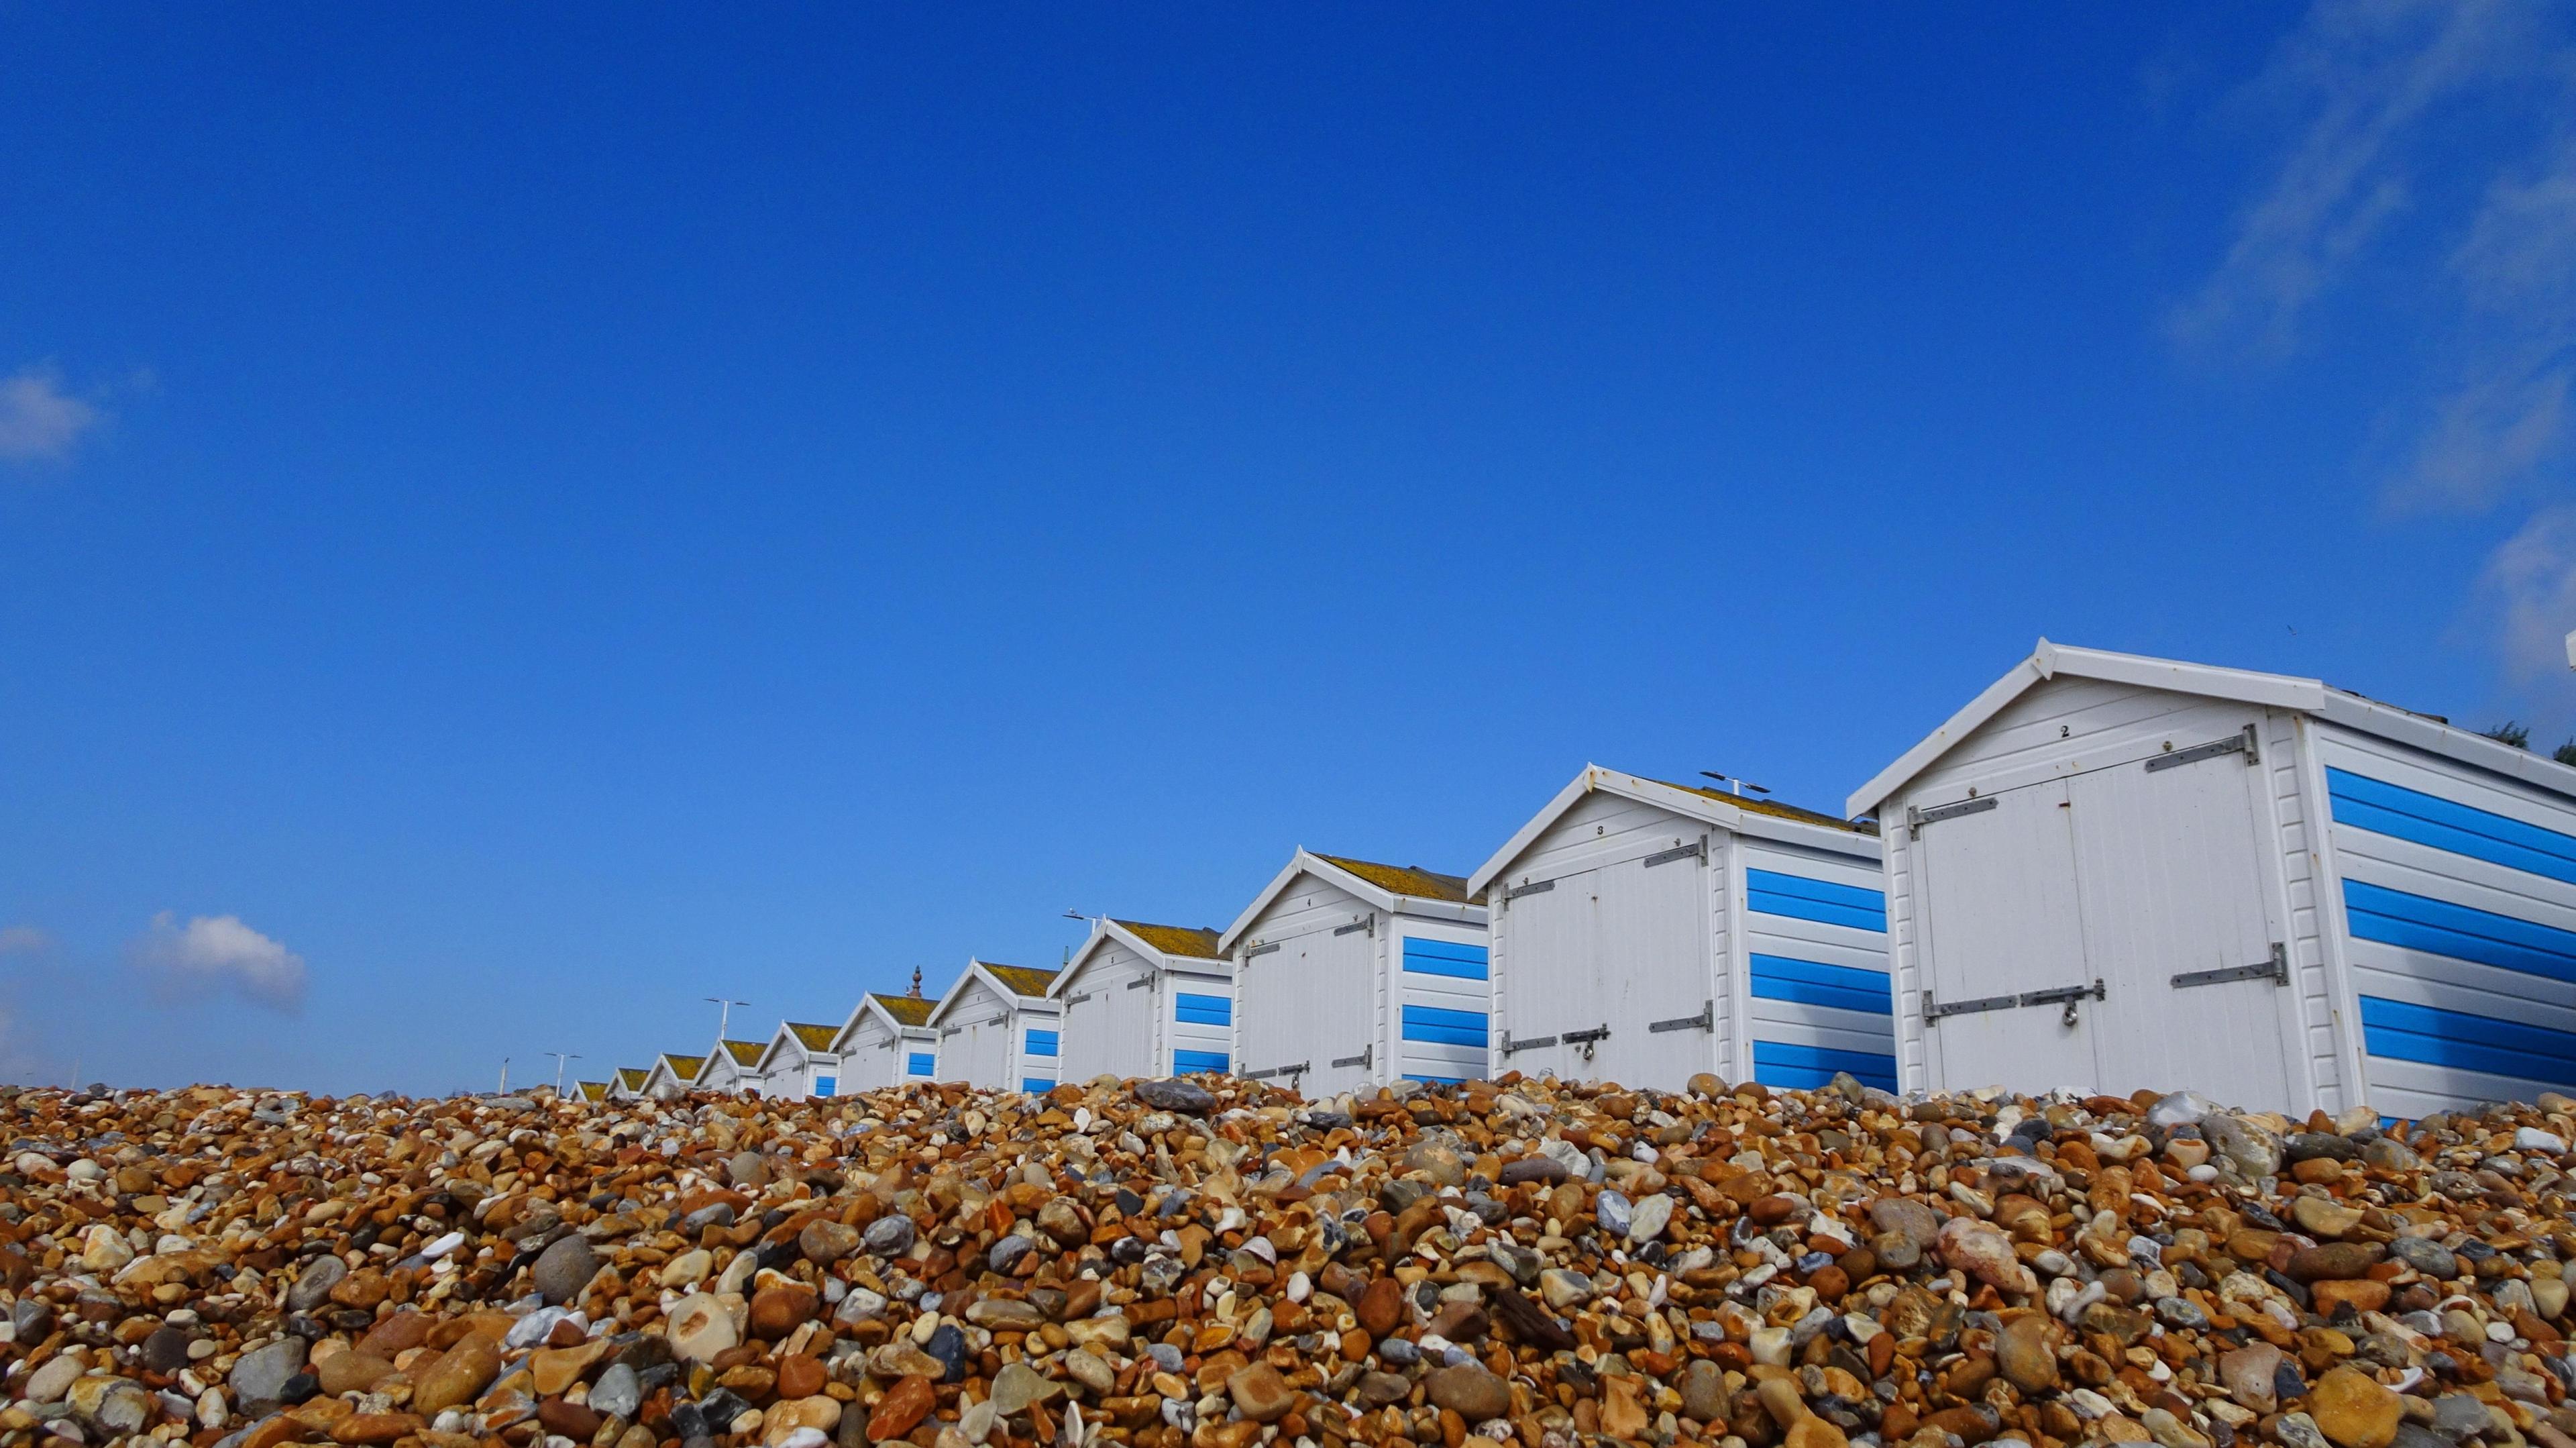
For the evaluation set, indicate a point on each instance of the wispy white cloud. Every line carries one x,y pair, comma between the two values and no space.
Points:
219,954
24,940
2357,79
38,419
2531,579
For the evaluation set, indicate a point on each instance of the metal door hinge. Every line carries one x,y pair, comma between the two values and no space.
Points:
1367,923
1525,1043
1260,950
1698,851
1071,1001
2276,970
1362,1059
2243,741
1706,1020
1142,982
1539,888
1916,819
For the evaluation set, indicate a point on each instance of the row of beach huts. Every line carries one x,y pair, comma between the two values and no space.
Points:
2105,872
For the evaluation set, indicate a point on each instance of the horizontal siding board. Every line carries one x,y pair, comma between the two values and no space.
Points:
2439,927
1803,1025
2406,1032
2412,1089
1784,978
2428,819
1797,1067
1444,957
1445,1027
1192,1008
1195,1063
1803,897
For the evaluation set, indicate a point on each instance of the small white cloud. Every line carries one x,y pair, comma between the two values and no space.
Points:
218,953
2532,577
37,418
24,940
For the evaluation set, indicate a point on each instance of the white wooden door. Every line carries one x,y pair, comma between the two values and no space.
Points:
1652,921
1552,974
2170,856
1311,1003
2002,918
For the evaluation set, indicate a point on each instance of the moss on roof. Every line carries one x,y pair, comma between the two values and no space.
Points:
1198,943
686,1067
1023,980
594,1090
1411,880
634,1076
745,1052
1778,810
815,1038
909,1010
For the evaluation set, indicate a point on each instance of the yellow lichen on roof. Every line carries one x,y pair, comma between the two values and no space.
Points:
1776,809
686,1067
1411,880
815,1038
908,1010
594,1090
744,1052
1199,943
634,1076
1023,980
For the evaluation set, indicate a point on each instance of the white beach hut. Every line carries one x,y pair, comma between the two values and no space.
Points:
628,1083
1350,973
1644,932
732,1067
2117,872
997,1028
887,1041
799,1062
1146,1000
672,1076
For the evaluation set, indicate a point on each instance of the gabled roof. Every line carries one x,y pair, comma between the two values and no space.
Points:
1760,818
803,1038
1017,984
900,1012
593,1090
1407,888
1160,945
2273,691
682,1069
744,1053
632,1077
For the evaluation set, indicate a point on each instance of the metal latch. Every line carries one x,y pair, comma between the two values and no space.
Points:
1299,1069
1916,819
1587,1040
2242,741
2067,995
2277,969
1698,851
1362,1059
1706,1020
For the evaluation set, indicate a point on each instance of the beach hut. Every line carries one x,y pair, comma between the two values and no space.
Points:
1146,1000
887,1041
672,1076
593,1092
1349,973
997,1028
732,1067
2115,872
1644,932
628,1083
799,1062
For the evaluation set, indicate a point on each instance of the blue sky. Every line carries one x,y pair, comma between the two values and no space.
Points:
514,520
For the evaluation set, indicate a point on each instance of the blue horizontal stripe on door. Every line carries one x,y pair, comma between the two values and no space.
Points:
2405,1031
2408,814
920,1063
825,1085
1202,1010
1443,957
1780,1063
1036,1084
1041,1043
1445,1028
1823,901
2438,927
1808,982
1439,1080
1194,1063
